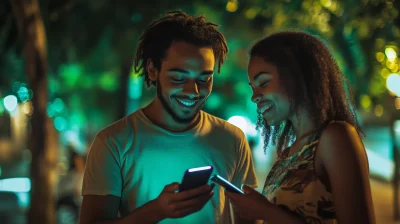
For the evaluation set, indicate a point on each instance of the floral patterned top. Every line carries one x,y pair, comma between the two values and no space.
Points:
293,185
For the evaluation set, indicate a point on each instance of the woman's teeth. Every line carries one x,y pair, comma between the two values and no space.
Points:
266,107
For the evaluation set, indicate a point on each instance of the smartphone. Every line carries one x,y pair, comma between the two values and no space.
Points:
195,177
226,184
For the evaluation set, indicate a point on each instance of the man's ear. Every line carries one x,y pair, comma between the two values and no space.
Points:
151,70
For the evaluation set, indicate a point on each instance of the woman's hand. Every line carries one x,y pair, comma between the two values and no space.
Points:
252,205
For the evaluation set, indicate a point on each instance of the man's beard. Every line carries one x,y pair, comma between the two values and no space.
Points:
171,112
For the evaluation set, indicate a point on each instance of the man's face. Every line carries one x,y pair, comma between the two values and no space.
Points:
185,80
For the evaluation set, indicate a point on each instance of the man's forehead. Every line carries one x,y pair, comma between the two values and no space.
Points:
200,59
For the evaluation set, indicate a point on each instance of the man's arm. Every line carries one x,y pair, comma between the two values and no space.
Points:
104,210
169,204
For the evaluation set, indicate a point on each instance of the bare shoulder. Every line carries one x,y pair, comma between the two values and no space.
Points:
344,159
340,139
97,207
339,129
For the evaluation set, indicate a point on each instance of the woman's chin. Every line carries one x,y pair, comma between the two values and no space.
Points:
273,122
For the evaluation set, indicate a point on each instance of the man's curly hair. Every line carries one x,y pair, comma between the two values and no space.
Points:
312,80
177,26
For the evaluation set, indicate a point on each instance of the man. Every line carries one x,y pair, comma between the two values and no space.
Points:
134,164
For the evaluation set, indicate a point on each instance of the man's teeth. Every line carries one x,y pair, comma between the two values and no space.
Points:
187,102
266,107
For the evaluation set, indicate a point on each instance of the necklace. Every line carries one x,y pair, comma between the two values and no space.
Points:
298,141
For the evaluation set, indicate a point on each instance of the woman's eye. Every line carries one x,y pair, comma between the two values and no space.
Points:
264,84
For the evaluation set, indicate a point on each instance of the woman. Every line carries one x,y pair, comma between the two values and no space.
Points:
302,101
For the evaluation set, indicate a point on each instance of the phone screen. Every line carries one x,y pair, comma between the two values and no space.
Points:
226,184
195,177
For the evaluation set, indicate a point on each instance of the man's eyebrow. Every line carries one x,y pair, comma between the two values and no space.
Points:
207,73
179,70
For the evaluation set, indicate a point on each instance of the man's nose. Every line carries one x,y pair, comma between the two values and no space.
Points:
191,89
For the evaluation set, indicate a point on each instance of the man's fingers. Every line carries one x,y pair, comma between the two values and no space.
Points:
185,208
171,187
192,193
182,213
200,200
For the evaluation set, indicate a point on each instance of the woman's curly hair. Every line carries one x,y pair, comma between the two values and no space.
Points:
312,80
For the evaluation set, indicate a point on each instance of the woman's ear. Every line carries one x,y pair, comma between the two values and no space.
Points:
151,70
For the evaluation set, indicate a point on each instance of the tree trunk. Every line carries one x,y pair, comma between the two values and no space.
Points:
123,91
32,34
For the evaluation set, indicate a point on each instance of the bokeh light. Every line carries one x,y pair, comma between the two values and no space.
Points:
232,6
380,56
365,102
60,123
28,108
10,102
239,122
24,94
393,83
397,103
378,110
391,53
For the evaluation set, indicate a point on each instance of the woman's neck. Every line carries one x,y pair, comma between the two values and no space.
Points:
303,125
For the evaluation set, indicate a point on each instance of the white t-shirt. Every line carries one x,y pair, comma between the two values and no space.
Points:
134,159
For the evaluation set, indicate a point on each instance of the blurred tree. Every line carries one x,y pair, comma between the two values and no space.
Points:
31,31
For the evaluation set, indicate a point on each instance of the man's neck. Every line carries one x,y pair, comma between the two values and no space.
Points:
156,113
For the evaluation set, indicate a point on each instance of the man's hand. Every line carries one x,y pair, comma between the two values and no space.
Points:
172,204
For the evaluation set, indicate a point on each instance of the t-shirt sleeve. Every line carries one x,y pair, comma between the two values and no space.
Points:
102,172
245,173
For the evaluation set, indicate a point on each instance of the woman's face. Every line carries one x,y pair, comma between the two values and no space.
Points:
269,92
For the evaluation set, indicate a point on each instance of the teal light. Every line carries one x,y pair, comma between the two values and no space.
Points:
58,105
23,94
2,109
60,123
380,166
397,126
21,184
213,101
50,110
10,102
135,87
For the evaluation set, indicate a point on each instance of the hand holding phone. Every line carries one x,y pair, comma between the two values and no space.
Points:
195,177
172,204
226,184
